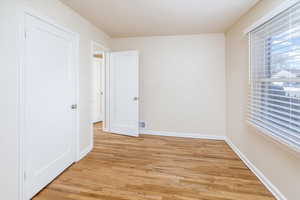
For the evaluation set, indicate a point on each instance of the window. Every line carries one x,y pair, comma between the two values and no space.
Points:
275,77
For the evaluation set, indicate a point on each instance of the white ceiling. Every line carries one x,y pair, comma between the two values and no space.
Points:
130,18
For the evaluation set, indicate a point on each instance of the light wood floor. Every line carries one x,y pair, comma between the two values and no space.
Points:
156,168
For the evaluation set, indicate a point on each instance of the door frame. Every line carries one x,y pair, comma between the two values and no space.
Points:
105,69
22,12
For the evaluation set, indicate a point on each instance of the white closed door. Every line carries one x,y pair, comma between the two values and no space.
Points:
124,93
49,121
98,109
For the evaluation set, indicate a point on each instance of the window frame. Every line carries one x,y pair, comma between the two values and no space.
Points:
265,131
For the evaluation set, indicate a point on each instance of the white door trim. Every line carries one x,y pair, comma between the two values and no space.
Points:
22,12
106,121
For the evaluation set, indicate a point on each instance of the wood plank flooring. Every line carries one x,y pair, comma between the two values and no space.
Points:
156,168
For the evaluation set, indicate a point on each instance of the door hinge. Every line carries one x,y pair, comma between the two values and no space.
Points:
25,176
25,34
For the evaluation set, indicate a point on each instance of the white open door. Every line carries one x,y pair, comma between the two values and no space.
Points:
124,93
98,108
49,91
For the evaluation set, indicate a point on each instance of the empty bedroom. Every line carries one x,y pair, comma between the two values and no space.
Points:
150,100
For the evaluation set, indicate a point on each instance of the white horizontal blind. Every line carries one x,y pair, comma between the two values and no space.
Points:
275,76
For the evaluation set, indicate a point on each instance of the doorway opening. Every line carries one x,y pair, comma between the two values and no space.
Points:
98,106
98,60
115,90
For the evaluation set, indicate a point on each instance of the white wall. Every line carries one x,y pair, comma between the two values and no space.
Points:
279,165
182,82
9,144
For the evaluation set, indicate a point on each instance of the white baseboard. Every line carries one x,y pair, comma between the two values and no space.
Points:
83,153
185,135
272,188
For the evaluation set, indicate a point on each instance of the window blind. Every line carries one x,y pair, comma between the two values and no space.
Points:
275,76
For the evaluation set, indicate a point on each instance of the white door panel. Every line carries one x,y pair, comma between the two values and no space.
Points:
98,111
49,94
124,106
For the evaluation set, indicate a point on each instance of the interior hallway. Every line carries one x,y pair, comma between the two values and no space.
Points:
156,168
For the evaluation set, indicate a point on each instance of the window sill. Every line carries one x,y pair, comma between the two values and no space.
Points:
274,138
